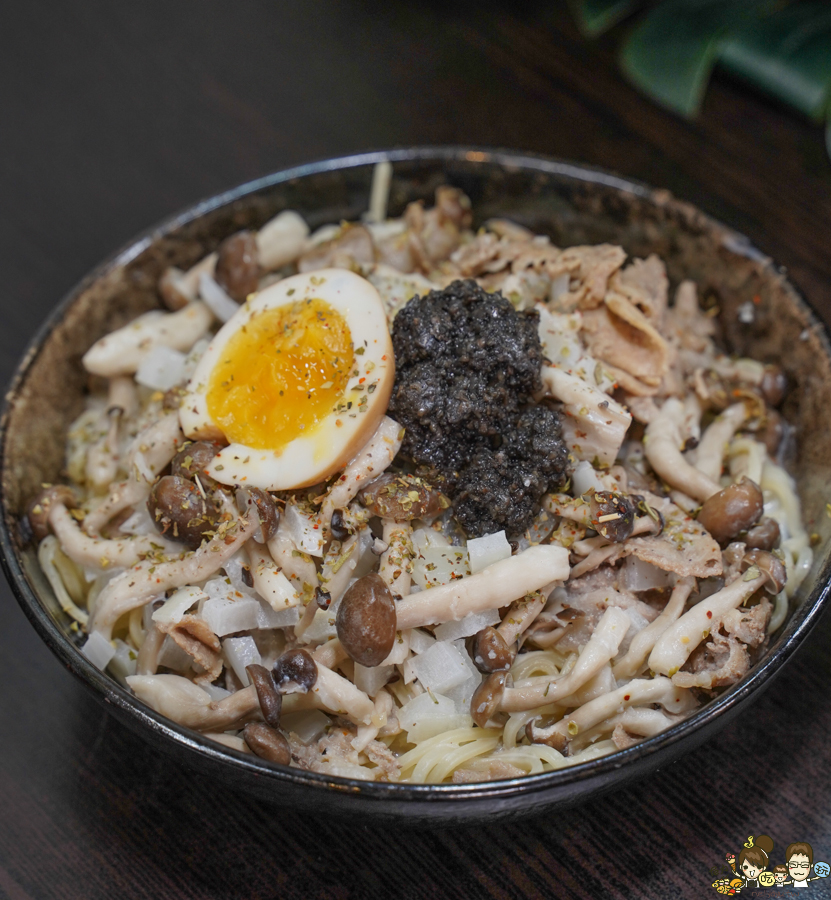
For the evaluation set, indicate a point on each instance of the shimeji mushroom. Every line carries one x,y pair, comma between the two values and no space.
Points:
495,586
295,565
662,444
709,454
122,351
594,425
134,587
187,704
639,692
677,643
602,646
369,462
150,451
269,582
179,288
97,552
645,640
335,694
520,616
397,559
103,456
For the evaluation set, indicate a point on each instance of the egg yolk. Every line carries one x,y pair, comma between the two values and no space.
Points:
280,374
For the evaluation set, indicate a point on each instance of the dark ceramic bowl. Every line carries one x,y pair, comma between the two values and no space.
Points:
573,205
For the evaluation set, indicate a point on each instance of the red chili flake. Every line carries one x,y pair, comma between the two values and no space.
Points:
709,614
626,696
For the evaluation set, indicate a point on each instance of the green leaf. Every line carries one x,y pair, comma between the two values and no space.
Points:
671,53
596,16
787,55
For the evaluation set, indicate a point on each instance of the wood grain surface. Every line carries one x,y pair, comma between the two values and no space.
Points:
113,115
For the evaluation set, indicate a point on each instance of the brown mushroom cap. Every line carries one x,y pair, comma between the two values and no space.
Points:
770,566
765,535
402,498
612,515
192,460
489,652
485,701
271,701
238,266
267,512
267,743
366,620
730,512
38,511
180,511
774,385
295,672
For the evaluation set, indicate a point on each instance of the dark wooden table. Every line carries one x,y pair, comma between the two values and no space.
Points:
113,115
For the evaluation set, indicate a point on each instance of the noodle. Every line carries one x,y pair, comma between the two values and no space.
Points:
584,606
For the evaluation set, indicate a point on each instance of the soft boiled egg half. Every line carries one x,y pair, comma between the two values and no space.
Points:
296,381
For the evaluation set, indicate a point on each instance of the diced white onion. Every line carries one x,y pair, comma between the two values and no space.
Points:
172,656
371,680
305,530
224,616
239,653
637,575
470,624
429,714
307,725
440,668
585,478
162,369
124,659
98,650
420,640
486,550
270,618
322,627
433,566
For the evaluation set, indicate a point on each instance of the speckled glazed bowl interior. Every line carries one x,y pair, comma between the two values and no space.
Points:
573,205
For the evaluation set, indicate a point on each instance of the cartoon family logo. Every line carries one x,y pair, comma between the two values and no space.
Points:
753,869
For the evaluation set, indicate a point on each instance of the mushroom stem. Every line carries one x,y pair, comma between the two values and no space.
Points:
296,566
674,647
281,240
101,553
602,646
135,586
644,640
397,560
662,444
187,704
495,586
334,694
269,582
370,461
122,351
638,692
521,616
709,458
151,450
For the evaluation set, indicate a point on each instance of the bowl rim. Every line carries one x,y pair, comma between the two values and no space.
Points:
702,721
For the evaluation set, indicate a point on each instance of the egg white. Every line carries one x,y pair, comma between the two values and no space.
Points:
329,445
